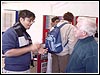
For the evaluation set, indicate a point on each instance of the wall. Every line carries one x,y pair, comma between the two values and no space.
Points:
78,8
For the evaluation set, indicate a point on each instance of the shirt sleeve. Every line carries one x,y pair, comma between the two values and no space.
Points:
8,40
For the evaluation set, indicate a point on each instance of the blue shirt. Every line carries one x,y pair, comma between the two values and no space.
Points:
84,58
15,63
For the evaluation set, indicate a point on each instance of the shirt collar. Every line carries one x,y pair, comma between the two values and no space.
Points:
22,27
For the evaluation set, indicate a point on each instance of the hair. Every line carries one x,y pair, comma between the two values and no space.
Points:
55,18
88,25
68,16
25,13
96,34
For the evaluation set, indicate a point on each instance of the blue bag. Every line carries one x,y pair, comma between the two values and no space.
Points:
53,40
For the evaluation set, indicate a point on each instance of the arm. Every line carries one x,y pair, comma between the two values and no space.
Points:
69,36
71,40
20,51
10,45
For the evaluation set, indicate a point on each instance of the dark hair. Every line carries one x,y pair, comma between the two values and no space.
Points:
26,13
68,16
55,18
96,34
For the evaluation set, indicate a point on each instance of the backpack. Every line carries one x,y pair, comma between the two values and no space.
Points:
53,40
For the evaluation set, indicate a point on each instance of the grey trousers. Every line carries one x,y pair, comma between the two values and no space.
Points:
59,63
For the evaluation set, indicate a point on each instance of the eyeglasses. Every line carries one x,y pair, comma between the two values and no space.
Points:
29,20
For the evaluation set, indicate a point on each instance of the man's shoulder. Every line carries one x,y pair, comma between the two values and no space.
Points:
9,31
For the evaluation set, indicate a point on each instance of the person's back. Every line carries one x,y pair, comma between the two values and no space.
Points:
84,58
59,60
67,34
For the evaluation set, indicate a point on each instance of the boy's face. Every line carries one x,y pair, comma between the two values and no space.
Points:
55,23
27,22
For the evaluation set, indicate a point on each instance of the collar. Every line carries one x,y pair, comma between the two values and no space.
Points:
22,27
61,22
19,25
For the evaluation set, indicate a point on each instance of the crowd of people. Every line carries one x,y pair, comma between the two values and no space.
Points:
80,55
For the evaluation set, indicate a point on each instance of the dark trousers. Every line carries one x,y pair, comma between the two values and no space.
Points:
59,63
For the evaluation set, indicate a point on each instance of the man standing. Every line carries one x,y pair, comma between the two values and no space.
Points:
17,44
59,60
84,58
54,21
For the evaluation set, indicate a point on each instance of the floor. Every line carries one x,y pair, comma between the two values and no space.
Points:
34,69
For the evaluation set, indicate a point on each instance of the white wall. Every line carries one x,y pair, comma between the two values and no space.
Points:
78,8
40,8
